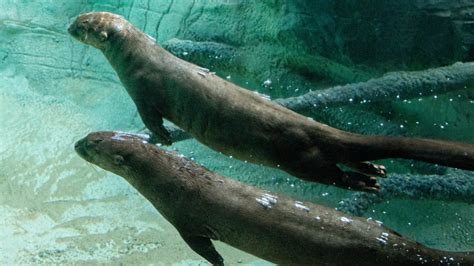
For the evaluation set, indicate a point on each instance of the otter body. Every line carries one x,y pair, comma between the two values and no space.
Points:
241,123
203,205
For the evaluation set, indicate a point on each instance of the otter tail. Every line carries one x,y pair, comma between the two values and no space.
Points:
447,153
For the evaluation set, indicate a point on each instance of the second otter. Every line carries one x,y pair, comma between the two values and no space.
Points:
203,205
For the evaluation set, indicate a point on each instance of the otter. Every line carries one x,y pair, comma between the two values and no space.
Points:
205,206
242,124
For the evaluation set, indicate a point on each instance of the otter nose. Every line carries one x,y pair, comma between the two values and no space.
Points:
70,29
73,30
79,147
78,144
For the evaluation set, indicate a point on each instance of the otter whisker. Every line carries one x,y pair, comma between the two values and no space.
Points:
92,166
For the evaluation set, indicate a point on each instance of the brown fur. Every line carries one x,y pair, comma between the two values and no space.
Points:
240,123
203,205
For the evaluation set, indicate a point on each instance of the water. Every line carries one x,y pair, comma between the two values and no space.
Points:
56,208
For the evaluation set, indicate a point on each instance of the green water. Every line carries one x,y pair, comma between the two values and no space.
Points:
56,208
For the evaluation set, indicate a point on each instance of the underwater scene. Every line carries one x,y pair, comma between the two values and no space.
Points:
237,132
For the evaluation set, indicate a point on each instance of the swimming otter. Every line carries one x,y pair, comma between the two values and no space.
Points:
203,205
242,124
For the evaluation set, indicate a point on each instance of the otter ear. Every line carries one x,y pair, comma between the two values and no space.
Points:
118,160
103,36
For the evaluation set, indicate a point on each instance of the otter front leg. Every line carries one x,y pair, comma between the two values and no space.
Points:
153,120
160,135
204,247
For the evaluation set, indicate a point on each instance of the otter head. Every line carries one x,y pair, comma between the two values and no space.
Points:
127,155
97,29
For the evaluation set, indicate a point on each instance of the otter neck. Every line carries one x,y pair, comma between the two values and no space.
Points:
163,181
126,54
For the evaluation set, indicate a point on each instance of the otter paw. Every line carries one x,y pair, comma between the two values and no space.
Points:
360,182
155,139
368,168
380,170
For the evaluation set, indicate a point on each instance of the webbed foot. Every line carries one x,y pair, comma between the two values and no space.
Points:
368,168
359,182
350,180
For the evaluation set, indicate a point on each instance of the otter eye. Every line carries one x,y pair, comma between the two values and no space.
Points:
118,160
92,143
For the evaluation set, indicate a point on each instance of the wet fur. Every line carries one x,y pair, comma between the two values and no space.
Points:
203,205
240,123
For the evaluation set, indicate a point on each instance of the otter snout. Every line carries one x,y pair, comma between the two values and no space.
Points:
96,28
79,147
79,28
72,29
84,146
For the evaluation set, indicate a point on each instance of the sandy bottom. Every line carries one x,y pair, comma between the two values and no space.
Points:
126,230
56,208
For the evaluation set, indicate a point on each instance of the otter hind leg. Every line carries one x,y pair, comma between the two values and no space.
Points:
347,179
368,168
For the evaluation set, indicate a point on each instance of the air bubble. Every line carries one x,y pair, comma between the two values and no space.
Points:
346,220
